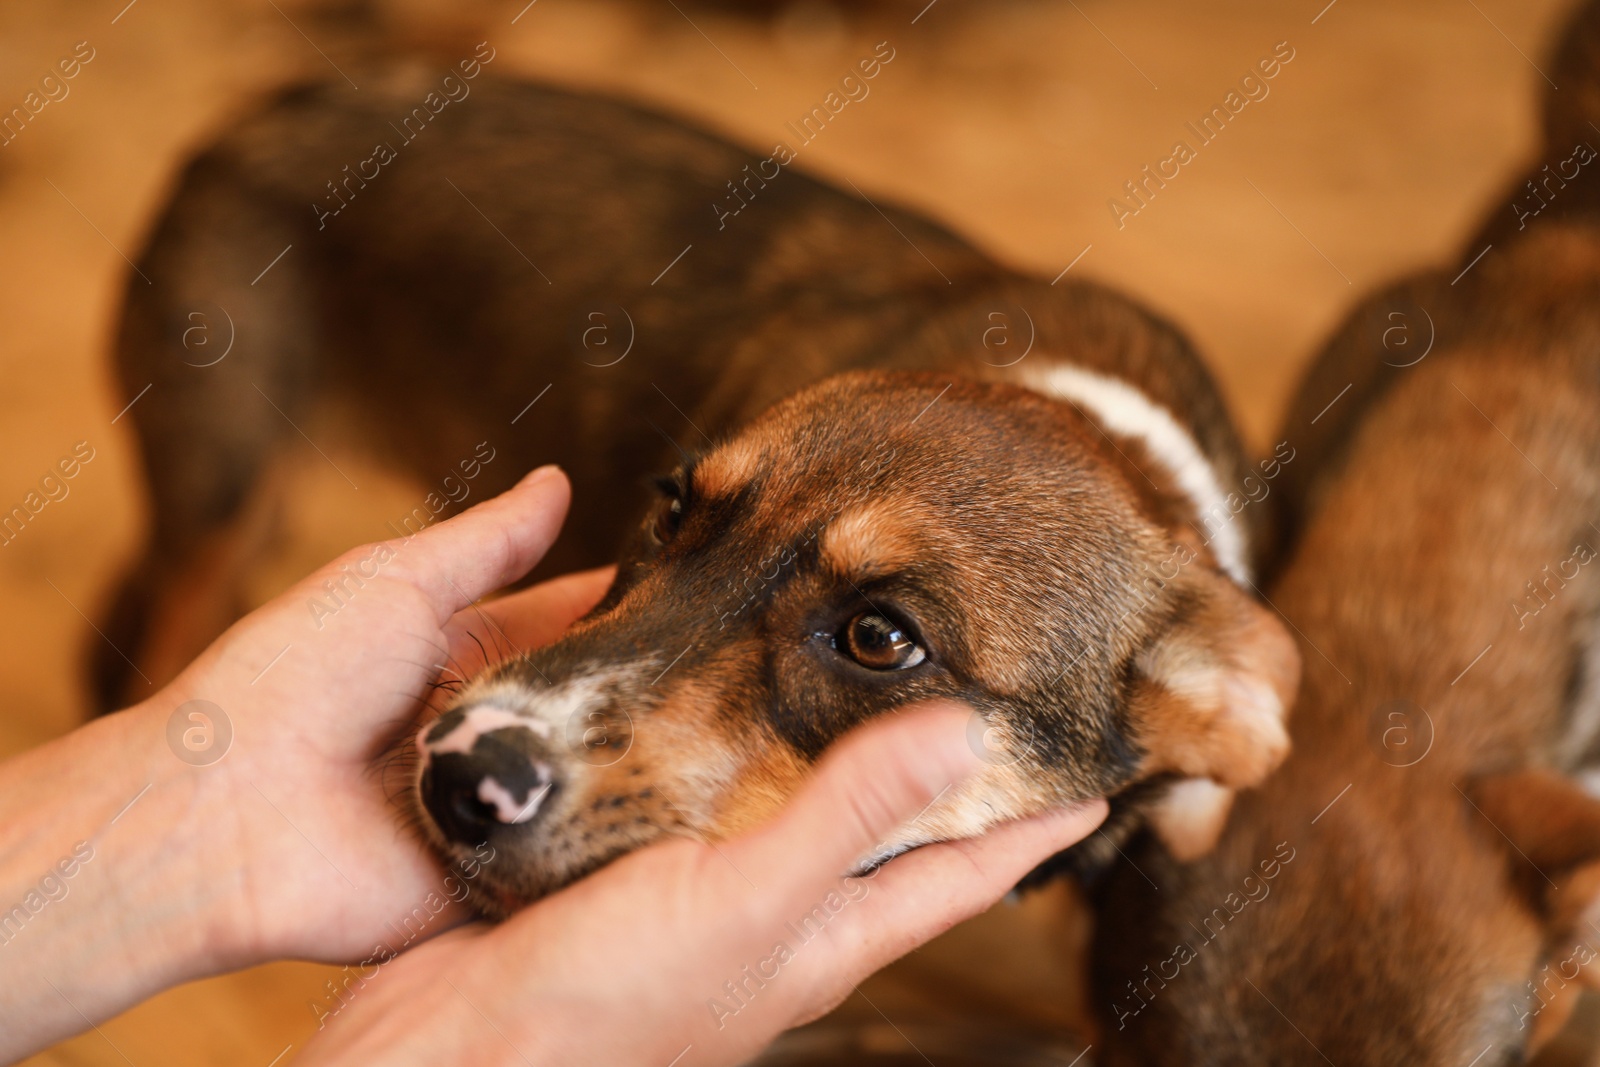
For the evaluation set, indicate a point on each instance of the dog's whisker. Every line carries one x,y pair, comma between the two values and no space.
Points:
688,460
494,626
482,651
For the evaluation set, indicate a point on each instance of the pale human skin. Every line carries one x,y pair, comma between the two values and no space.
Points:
288,845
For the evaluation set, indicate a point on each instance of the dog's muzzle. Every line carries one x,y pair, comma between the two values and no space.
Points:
485,770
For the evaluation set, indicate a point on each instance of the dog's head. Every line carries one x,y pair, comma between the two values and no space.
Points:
875,540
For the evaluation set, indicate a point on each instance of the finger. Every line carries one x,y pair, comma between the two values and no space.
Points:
881,776
917,896
485,547
529,618
932,888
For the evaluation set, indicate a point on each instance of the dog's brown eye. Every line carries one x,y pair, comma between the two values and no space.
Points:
667,521
873,641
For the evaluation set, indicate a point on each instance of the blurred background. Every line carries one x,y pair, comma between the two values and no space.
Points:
1014,121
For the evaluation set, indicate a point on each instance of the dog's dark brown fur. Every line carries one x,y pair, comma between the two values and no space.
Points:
1393,330
1414,885
912,471
432,323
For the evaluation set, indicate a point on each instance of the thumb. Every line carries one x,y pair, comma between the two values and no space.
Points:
485,547
874,780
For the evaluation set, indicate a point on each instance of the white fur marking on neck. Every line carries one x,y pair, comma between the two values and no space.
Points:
1190,817
1121,409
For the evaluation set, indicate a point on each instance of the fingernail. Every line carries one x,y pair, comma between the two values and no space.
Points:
539,474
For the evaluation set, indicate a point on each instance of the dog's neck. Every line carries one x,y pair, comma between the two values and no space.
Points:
1122,411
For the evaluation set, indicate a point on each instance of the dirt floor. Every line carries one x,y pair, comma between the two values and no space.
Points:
1014,121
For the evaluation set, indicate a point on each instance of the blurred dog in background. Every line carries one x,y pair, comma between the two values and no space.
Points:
1417,884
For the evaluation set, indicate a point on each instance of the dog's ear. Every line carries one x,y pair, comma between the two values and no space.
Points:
1210,696
1550,831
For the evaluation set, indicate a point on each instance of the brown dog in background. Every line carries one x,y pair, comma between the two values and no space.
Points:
1416,885
901,470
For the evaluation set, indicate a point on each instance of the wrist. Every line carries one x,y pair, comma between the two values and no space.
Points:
98,878
179,853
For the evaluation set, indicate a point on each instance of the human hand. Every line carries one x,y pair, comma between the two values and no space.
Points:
283,842
689,953
325,680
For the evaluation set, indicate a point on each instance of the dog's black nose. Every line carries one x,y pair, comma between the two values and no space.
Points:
484,782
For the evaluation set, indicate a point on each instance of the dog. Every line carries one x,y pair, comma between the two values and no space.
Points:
1417,883
898,470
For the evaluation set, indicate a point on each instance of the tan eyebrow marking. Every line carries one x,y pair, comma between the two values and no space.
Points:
871,539
728,469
